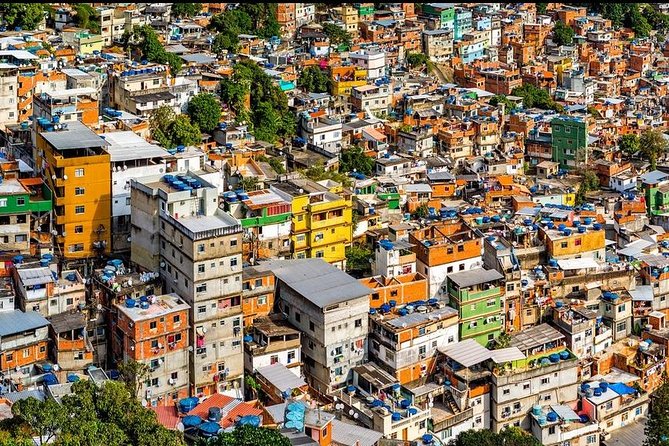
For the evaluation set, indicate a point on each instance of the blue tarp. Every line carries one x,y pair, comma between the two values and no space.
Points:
622,389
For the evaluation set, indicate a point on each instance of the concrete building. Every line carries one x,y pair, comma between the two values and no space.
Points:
71,348
131,157
405,344
197,247
374,62
444,248
25,205
141,91
154,331
24,338
522,380
274,341
438,44
324,133
9,86
66,106
330,308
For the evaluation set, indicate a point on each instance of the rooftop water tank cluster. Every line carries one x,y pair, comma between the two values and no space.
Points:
182,182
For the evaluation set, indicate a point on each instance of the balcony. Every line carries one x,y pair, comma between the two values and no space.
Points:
327,222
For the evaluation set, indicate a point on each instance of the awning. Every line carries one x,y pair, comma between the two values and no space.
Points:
506,355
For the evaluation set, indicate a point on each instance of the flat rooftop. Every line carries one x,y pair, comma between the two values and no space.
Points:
163,305
76,136
125,146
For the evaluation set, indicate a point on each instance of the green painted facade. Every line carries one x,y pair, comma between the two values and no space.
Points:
23,203
569,135
446,15
265,220
657,200
392,198
365,10
479,310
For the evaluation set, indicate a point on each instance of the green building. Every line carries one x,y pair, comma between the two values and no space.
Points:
569,135
477,295
444,11
656,192
365,10
25,205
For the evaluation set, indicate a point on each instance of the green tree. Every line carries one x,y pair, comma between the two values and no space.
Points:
512,436
204,111
183,133
249,184
501,99
562,34
653,145
44,418
277,165
417,59
133,374
317,172
541,8
629,144
87,17
357,258
252,385
657,426
264,18
26,15
421,211
314,80
225,42
355,159
536,97
185,9
248,436
590,182
638,23
502,341
151,49
337,35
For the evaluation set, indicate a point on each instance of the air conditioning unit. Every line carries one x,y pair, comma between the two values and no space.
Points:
171,381
148,393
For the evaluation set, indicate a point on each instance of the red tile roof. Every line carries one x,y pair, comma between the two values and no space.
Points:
220,401
167,416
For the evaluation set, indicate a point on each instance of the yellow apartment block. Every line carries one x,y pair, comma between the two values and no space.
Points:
77,168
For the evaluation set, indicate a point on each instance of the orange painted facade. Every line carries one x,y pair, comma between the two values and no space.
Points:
257,296
401,289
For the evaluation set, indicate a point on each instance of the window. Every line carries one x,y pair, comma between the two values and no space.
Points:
637,412
174,375
3,202
609,405
506,391
78,247
621,326
591,439
233,261
200,247
233,242
153,325
79,191
26,352
298,316
79,209
20,201
78,356
577,242
79,229
21,238
319,254
358,323
491,303
564,244
625,416
201,288
545,380
311,326
200,268
79,172
202,309
551,430
176,319
262,300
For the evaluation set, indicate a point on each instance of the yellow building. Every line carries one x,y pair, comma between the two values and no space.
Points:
574,243
345,78
77,168
322,219
82,40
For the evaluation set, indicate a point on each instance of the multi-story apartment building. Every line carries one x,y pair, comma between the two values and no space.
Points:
478,295
70,346
573,243
286,16
614,405
348,16
198,249
405,344
9,86
41,290
438,44
82,40
570,141
154,331
24,206
373,62
371,98
266,218
76,104
323,132
444,248
584,331
131,157
24,338
393,258
559,424
257,294
616,311
141,91
330,308
544,370
75,165
273,341
321,222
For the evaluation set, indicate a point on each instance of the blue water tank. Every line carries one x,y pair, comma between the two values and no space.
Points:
130,303
551,417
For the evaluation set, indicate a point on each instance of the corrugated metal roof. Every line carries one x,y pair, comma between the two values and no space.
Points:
535,336
642,293
565,412
571,264
353,435
76,136
24,395
12,322
506,355
316,280
418,318
280,377
35,276
467,352
475,277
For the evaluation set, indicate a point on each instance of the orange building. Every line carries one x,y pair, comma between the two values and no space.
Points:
154,331
257,294
401,289
34,83
24,338
285,14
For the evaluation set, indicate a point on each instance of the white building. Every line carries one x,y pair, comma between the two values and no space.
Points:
322,132
304,13
393,258
274,341
372,61
9,85
131,157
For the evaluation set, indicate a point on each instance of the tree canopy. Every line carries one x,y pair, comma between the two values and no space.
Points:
502,99
185,9
357,259
314,80
171,130
629,144
248,436
204,111
26,15
657,426
536,97
512,436
317,172
417,59
87,17
269,117
146,41
354,158
629,15
337,35
653,145
562,34
249,18
93,416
